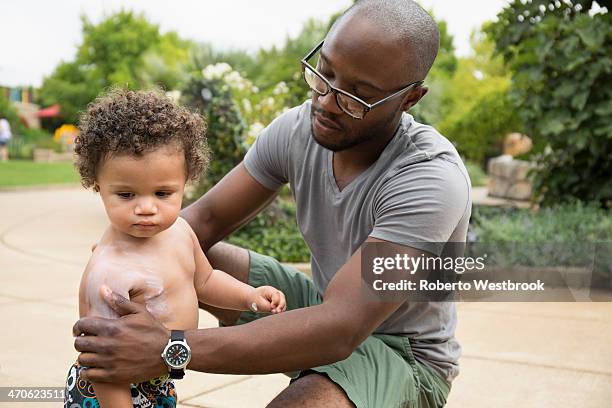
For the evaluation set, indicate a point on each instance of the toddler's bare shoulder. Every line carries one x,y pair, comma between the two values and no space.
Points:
185,229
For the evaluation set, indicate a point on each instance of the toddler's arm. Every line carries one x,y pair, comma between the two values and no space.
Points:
217,288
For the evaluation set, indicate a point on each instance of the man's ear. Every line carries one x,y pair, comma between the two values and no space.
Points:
414,97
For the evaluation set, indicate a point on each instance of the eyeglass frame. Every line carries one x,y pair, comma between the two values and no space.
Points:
330,88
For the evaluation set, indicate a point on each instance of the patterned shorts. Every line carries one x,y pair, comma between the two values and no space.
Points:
156,393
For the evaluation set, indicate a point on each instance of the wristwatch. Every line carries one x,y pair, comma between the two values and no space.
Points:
176,354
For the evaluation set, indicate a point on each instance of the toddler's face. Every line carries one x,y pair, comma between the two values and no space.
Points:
143,195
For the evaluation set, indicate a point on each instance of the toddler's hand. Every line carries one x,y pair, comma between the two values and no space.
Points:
267,299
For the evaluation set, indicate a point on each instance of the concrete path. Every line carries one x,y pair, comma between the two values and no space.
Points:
527,355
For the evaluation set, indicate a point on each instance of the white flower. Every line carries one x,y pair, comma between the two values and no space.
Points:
254,130
280,88
246,104
174,95
216,71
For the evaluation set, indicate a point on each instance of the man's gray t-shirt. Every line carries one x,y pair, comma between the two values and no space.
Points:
418,191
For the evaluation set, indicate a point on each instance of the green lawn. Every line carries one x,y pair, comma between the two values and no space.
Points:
27,173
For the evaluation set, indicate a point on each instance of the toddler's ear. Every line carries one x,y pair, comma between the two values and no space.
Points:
96,187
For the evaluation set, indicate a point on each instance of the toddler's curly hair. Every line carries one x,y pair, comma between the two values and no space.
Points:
136,122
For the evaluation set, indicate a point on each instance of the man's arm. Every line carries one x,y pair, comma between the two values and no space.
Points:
230,204
301,338
289,341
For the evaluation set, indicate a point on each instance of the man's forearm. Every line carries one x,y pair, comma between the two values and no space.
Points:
289,341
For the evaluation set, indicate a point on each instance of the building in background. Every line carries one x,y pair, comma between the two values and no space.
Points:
22,98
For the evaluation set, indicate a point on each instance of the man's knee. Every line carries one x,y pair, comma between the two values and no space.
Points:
310,391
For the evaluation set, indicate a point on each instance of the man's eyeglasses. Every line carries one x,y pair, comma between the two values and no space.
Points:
350,104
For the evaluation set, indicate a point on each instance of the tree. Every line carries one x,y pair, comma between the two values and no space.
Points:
123,49
437,104
480,113
560,56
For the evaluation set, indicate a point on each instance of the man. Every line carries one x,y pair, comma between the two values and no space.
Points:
361,170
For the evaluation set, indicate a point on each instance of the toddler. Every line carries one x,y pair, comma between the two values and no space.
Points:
138,149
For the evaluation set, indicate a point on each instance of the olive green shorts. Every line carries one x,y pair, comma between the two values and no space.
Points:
381,373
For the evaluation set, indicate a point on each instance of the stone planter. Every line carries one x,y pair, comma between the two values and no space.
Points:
50,156
508,178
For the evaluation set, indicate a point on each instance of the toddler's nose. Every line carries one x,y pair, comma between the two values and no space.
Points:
145,206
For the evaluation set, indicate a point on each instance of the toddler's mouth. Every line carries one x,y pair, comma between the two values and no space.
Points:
145,225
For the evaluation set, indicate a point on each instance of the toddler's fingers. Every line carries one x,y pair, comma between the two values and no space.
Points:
261,305
275,298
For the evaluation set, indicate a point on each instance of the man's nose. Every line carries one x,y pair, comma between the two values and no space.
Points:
145,206
328,103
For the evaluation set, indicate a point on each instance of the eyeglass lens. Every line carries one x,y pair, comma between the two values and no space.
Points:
347,104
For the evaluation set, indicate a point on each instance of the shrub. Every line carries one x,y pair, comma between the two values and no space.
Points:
563,233
479,133
559,54
274,232
225,126
572,222
477,174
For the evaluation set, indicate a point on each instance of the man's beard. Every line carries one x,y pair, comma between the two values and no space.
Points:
344,143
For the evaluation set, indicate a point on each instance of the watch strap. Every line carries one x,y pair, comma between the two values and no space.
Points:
177,374
177,335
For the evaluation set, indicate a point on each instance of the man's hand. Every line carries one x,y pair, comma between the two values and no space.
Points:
267,299
127,349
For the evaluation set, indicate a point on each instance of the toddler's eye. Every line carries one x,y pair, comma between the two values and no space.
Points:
125,195
163,194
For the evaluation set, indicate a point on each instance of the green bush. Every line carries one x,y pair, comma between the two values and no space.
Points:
479,133
562,235
274,232
225,126
20,149
572,222
36,135
559,54
477,174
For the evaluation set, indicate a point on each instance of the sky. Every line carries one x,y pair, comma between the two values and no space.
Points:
35,35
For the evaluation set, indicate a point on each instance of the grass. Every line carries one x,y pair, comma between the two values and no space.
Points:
17,173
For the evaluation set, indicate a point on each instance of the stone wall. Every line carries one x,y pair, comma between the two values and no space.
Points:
508,178
49,156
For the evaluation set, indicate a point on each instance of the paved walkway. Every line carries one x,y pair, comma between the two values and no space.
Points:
527,355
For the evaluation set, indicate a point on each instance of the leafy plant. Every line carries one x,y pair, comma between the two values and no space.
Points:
477,175
561,235
212,98
479,133
274,232
560,56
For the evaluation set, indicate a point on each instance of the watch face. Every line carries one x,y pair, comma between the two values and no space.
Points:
177,355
